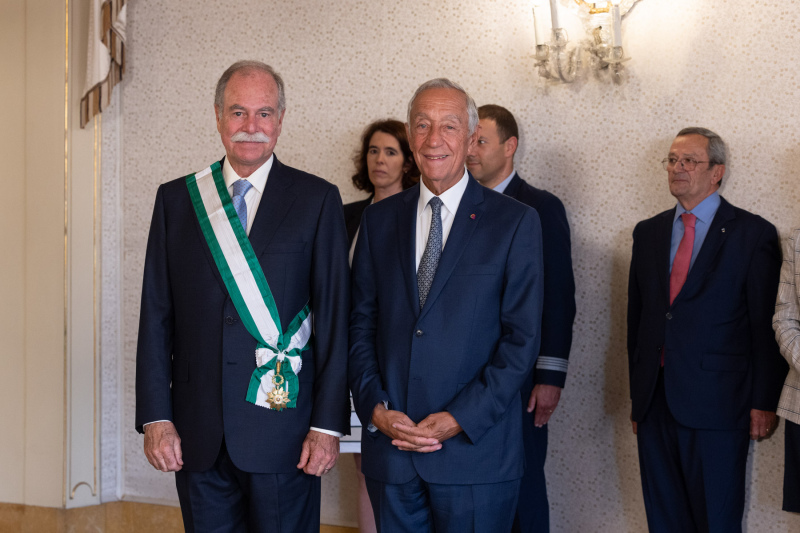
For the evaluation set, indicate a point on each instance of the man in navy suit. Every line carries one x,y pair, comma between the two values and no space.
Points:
705,370
492,164
242,465
447,303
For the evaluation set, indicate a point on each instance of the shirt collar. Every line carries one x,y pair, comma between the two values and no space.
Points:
501,187
257,179
450,198
704,211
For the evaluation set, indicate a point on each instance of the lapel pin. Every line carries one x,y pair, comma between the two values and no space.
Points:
472,216
723,230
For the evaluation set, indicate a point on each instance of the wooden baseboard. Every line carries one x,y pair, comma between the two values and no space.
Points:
114,517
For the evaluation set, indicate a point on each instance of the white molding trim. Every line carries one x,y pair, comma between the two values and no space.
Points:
111,380
82,281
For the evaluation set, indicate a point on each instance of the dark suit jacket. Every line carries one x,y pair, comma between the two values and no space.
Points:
195,357
720,355
467,352
558,313
352,216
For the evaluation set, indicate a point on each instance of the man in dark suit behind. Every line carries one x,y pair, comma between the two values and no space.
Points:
241,466
492,164
705,370
447,302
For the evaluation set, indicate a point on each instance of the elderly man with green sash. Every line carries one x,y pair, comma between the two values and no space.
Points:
242,356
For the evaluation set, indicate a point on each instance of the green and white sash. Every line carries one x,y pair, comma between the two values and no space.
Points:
249,291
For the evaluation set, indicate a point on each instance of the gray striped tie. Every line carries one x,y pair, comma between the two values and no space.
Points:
240,188
432,253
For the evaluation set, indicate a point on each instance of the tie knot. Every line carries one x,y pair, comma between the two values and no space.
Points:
688,220
240,187
436,205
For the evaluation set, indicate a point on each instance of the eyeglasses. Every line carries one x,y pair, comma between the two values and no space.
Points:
686,163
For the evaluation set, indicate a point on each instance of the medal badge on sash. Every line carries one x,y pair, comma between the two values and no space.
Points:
274,383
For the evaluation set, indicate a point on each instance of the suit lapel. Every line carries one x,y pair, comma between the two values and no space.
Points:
457,240
513,187
407,239
273,208
276,202
717,233
663,244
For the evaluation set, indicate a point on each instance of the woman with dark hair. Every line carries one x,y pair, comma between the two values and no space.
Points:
384,166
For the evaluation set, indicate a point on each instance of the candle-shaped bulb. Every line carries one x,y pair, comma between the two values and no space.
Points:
617,24
554,13
538,34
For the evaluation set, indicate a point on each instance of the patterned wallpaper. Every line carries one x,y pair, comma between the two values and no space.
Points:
723,64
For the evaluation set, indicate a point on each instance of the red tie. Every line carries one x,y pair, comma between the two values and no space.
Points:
683,257
680,265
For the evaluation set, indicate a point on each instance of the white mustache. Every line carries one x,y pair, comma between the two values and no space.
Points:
244,137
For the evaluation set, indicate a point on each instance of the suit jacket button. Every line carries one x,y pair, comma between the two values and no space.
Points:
229,320
669,316
419,333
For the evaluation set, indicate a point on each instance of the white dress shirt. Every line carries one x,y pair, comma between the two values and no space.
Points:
252,198
450,200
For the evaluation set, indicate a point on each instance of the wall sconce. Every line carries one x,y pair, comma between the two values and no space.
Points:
600,51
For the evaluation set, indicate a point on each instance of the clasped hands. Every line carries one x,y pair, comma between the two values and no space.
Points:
425,437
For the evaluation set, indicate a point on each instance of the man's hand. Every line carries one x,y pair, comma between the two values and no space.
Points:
544,399
390,422
634,425
762,424
437,426
162,446
319,453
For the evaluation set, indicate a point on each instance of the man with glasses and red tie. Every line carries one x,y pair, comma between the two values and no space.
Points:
705,370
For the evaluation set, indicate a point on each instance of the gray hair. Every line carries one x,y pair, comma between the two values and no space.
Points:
717,149
247,66
444,83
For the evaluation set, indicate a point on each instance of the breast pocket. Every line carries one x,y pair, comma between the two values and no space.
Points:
286,248
486,269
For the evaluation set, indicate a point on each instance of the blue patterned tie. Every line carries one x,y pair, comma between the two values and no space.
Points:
432,253
240,188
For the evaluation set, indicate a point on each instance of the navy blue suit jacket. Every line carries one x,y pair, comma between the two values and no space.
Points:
558,312
352,216
195,357
467,352
720,355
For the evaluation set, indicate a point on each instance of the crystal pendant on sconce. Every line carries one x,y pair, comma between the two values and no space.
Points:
598,52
